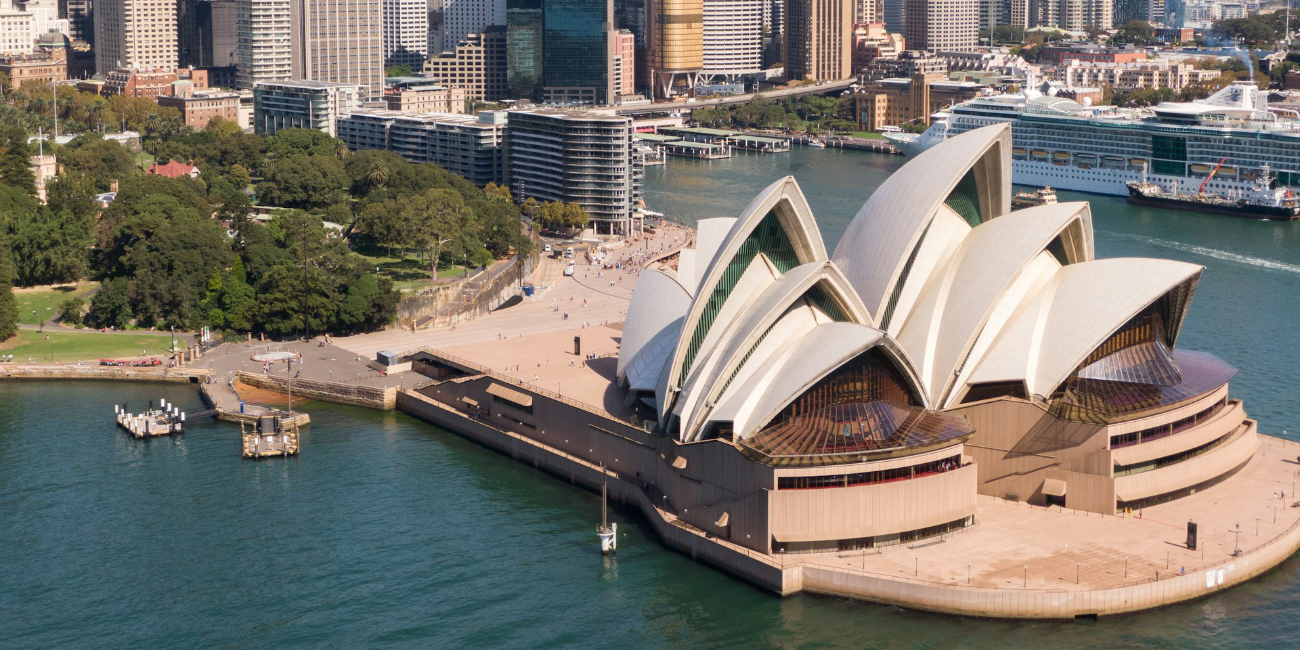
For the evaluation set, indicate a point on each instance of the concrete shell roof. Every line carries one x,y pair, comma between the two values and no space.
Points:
801,365
658,300
955,305
783,198
876,245
1084,304
762,311
710,233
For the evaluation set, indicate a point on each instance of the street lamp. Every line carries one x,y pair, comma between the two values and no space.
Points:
1125,566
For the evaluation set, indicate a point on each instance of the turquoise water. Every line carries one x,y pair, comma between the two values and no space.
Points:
387,532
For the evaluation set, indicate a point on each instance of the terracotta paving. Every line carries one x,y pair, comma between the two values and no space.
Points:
1055,544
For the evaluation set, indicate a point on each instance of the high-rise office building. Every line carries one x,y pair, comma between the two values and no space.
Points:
578,57
81,21
478,65
1074,15
406,32
894,13
524,46
264,41
135,34
17,36
733,37
460,18
674,43
819,39
190,16
624,62
630,15
993,13
221,35
339,41
867,11
942,25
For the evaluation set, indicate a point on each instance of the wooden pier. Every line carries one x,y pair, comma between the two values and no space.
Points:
271,437
150,424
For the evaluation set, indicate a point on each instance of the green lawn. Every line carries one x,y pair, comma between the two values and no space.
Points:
82,346
46,302
406,274
144,160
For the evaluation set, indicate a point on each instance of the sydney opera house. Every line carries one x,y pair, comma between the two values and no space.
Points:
948,347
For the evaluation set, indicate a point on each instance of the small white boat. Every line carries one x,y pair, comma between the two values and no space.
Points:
817,144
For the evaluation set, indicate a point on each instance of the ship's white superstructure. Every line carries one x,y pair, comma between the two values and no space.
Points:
1063,144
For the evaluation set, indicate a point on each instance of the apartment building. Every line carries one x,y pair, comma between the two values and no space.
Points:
264,41
417,95
468,145
583,157
298,104
339,41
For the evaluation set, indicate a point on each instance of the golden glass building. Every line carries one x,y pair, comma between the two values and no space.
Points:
675,42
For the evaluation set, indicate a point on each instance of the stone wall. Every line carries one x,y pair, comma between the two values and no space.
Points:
118,373
368,396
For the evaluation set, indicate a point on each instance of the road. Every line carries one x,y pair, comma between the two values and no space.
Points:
664,107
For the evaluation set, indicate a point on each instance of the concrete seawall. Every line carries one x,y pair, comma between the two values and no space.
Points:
384,399
789,574
117,373
736,560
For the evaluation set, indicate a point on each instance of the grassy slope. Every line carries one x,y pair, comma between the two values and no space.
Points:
79,346
46,301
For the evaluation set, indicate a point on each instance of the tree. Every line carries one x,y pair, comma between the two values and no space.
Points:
8,304
15,161
436,217
376,175
384,224
70,311
307,142
301,181
500,192
111,305
398,71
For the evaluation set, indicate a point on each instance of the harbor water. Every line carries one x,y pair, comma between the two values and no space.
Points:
387,532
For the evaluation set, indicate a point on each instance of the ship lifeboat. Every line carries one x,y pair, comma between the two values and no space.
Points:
1138,162
1019,153
1112,162
1198,168
1060,158
1039,153
1226,172
1248,174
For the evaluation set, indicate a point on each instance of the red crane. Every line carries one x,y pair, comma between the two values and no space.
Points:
1201,189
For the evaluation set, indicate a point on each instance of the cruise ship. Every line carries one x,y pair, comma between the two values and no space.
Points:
1061,143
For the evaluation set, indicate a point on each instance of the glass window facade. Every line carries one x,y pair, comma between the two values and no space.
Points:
577,52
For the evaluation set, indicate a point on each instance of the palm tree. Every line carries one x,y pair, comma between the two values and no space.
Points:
340,149
376,176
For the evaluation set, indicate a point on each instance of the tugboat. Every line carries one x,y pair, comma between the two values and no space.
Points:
1261,201
1033,199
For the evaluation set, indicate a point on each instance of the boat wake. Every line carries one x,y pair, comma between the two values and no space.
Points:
1259,262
